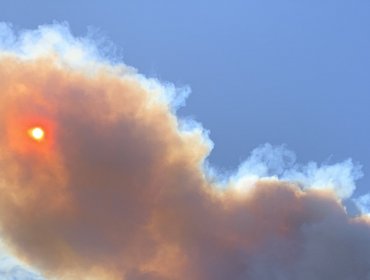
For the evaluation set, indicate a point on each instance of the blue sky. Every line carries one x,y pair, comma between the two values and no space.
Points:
284,72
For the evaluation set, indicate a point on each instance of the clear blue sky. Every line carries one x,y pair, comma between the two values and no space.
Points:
293,72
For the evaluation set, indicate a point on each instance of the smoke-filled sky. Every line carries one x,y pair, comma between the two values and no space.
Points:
123,184
306,62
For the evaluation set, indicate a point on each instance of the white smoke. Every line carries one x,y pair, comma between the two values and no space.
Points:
363,203
269,162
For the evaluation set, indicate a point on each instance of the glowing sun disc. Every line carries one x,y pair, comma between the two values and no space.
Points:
37,133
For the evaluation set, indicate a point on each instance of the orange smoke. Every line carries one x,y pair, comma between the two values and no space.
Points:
116,189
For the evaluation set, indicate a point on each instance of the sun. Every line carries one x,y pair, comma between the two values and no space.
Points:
37,133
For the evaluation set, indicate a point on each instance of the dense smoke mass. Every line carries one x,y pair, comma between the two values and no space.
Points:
120,188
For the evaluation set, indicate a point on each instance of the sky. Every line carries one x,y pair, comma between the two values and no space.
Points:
280,72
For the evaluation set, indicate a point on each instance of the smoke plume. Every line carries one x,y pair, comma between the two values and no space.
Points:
119,188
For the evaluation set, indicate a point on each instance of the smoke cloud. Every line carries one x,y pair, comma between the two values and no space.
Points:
120,188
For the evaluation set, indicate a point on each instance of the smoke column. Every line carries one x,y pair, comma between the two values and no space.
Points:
119,187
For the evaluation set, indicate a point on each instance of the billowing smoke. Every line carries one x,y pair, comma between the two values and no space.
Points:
119,188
